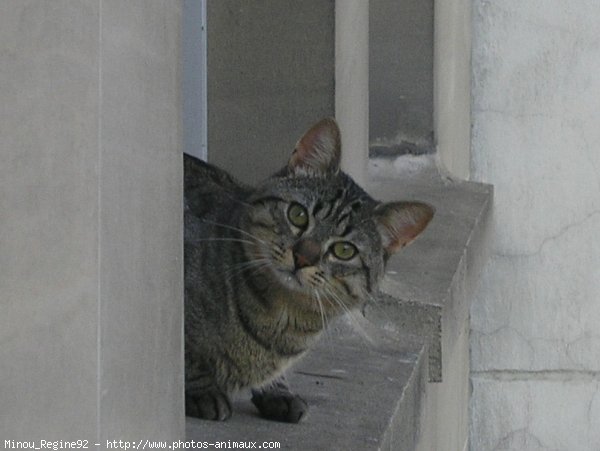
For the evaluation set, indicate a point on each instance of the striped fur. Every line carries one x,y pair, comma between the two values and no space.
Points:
259,288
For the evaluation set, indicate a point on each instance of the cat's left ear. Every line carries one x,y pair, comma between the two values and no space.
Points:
319,150
399,223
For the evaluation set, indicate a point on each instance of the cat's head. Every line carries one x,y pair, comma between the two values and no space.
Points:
319,234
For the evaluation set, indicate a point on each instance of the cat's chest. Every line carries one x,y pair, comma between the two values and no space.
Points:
251,364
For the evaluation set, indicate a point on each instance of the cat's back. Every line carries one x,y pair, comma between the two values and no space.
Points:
213,203
209,190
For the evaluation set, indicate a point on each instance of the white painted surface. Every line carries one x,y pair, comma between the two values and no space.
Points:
91,271
194,78
536,111
452,85
352,84
538,414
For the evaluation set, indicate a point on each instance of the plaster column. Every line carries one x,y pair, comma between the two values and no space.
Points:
352,84
90,221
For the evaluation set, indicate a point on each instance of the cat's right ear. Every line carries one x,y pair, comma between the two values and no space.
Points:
318,152
399,223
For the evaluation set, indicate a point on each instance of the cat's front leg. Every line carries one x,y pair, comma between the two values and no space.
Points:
276,402
203,398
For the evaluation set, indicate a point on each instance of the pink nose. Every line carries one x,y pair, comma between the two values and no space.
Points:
306,253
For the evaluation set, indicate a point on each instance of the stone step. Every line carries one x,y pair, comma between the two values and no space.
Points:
427,286
363,389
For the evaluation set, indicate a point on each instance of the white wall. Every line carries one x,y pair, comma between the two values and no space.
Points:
91,275
452,85
536,136
194,95
352,84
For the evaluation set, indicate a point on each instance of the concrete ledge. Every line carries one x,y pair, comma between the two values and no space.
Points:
423,290
429,286
363,394
374,394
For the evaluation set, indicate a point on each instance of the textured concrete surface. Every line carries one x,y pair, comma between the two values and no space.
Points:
429,286
270,77
536,111
536,412
429,275
90,221
401,75
363,394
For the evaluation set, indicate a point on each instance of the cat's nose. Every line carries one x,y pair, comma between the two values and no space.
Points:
306,253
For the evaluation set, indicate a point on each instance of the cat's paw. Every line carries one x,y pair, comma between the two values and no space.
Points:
285,407
210,405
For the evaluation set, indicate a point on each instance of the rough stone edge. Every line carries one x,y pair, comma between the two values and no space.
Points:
425,318
406,420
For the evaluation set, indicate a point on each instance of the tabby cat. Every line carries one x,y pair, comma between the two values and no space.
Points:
267,266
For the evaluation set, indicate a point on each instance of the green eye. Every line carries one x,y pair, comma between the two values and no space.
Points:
298,215
344,250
